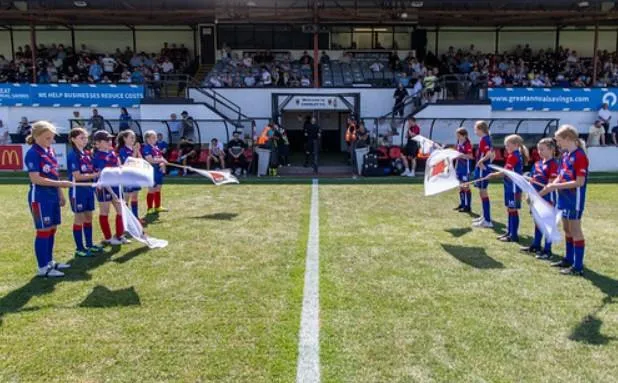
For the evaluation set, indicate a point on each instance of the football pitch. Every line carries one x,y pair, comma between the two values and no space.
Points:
408,292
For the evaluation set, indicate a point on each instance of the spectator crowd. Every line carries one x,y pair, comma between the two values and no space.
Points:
59,64
260,69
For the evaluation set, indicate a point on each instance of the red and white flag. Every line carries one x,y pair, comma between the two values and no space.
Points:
218,177
440,174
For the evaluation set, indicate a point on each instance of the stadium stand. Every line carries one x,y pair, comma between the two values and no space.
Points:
60,64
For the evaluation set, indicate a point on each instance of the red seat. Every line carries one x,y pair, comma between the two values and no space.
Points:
203,157
382,153
173,156
248,154
394,152
499,154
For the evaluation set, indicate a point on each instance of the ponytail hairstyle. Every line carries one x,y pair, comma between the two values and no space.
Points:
551,144
462,132
122,137
39,128
76,132
519,142
568,132
482,126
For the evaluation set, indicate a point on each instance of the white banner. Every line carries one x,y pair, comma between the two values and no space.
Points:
315,103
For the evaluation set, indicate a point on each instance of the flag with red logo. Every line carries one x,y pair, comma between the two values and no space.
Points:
440,174
218,177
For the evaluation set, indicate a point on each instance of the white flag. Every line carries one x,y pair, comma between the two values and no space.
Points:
134,173
440,174
546,216
427,146
218,177
133,226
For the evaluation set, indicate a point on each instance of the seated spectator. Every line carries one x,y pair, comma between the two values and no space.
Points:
216,155
596,135
615,135
188,152
376,66
95,71
24,129
97,122
266,78
324,59
167,67
305,82
236,154
162,144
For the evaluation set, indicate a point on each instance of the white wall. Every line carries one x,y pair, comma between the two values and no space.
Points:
580,120
603,159
258,102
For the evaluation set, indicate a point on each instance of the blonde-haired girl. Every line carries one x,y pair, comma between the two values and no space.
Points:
571,186
517,156
44,196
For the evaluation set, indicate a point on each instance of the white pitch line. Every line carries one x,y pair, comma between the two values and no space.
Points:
308,367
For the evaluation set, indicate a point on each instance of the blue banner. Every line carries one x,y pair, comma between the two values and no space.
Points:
71,95
553,99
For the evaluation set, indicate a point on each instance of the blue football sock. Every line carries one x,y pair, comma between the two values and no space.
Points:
50,251
134,209
538,235
88,233
578,247
41,248
486,209
77,237
515,225
547,248
468,196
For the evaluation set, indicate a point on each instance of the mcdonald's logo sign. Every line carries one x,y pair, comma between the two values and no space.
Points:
11,157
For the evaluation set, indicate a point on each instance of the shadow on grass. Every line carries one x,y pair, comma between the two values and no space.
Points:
101,296
80,267
473,256
458,232
151,218
589,329
132,254
218,216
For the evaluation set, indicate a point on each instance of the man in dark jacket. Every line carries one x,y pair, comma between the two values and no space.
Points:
313,133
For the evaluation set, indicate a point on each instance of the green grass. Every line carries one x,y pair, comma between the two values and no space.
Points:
408,293
220,304
411,294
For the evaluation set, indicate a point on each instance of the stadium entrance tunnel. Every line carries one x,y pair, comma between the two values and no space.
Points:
331,111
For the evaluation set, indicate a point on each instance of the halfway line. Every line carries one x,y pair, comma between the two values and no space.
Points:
308,367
